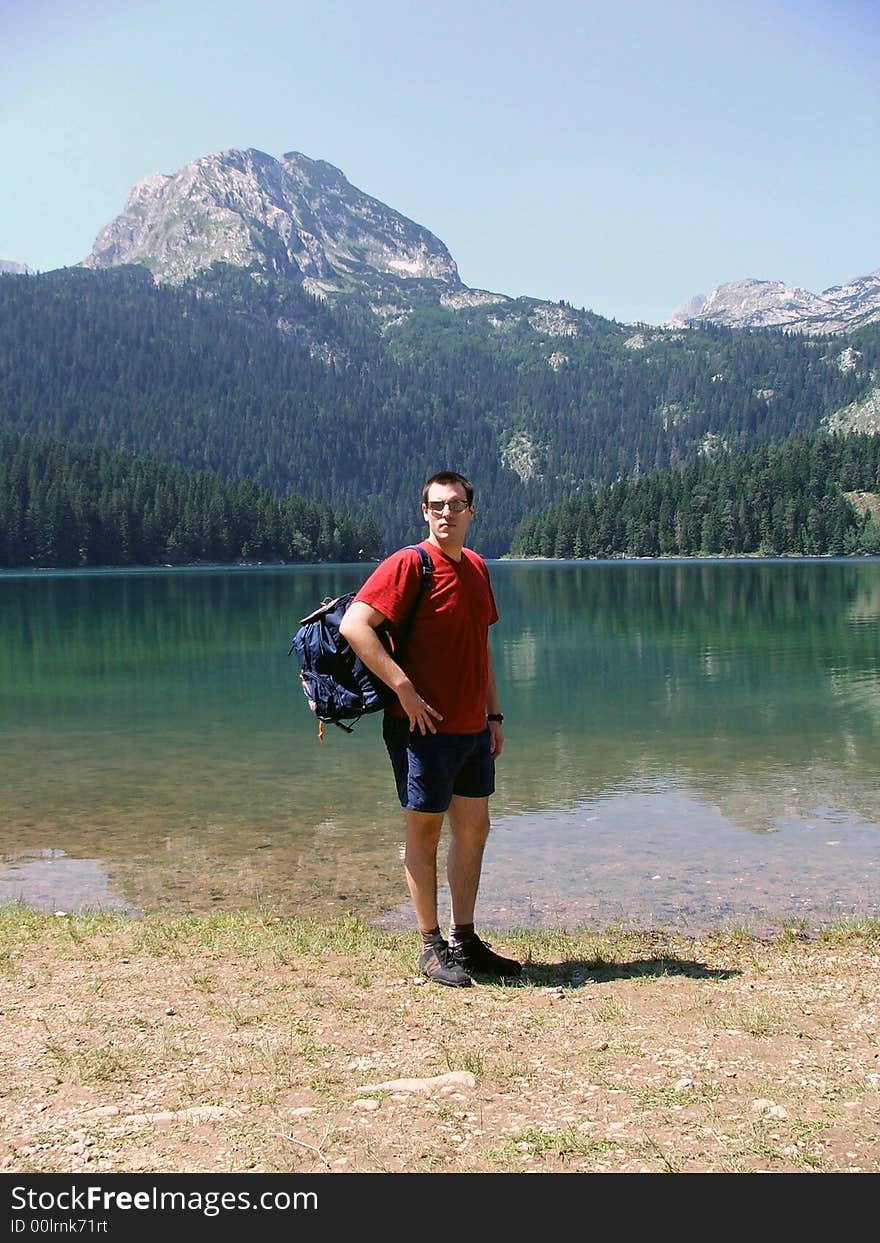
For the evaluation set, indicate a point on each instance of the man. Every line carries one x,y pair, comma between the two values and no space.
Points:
443,733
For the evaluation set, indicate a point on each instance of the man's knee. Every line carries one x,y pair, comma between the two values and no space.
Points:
423,829
472,834
469,819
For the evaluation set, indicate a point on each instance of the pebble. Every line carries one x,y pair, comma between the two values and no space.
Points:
769,1108
457,1078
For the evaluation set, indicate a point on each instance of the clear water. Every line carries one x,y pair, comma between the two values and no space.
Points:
688,745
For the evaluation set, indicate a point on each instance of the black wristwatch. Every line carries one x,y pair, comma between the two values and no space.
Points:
495,716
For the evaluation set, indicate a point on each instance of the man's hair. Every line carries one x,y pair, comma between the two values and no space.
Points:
449,476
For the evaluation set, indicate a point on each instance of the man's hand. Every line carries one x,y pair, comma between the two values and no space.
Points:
421,715
496,739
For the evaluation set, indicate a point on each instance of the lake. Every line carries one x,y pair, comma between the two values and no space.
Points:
690,745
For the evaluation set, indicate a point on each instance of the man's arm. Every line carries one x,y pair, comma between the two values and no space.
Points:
358,628
496,744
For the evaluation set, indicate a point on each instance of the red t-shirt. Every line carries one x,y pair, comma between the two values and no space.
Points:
447,653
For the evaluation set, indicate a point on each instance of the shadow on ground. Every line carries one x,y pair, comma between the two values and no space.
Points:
576,972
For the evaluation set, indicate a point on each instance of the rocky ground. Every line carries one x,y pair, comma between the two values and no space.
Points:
249,1043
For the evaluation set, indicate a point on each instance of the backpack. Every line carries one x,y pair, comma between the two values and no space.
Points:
337,685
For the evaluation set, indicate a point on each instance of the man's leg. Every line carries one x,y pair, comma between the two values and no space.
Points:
420,864
469,825
469,828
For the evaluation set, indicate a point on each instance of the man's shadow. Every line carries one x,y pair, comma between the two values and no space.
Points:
578,972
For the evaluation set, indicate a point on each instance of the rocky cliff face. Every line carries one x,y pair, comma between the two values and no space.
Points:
10,268
771,304
295,217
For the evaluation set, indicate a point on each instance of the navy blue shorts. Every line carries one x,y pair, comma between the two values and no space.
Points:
430,768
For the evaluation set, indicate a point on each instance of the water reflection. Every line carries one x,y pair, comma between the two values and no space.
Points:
722,675
150,726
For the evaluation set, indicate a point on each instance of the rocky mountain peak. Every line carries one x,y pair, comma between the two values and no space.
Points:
8,267
772,304
295,217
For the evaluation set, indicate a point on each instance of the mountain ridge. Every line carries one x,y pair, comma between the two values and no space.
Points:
302,219
754,303
9,267
294,217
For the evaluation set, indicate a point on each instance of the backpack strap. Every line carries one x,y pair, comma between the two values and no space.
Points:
427,565
425,578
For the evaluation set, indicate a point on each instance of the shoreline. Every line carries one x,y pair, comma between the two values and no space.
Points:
504,559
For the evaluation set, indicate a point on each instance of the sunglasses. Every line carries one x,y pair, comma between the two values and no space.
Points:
437,507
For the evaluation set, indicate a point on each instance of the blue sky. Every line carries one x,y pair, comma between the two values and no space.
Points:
619,155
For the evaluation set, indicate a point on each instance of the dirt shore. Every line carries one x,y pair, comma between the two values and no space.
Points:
256,1044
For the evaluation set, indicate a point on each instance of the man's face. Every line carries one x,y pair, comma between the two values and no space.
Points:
447,527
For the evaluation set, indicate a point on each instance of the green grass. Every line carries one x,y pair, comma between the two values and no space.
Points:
100,1065
564,1144
551,956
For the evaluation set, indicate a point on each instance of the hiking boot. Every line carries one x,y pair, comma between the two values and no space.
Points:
437,963
476,957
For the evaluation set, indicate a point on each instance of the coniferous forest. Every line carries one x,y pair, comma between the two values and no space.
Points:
70,505
295,429
777,500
